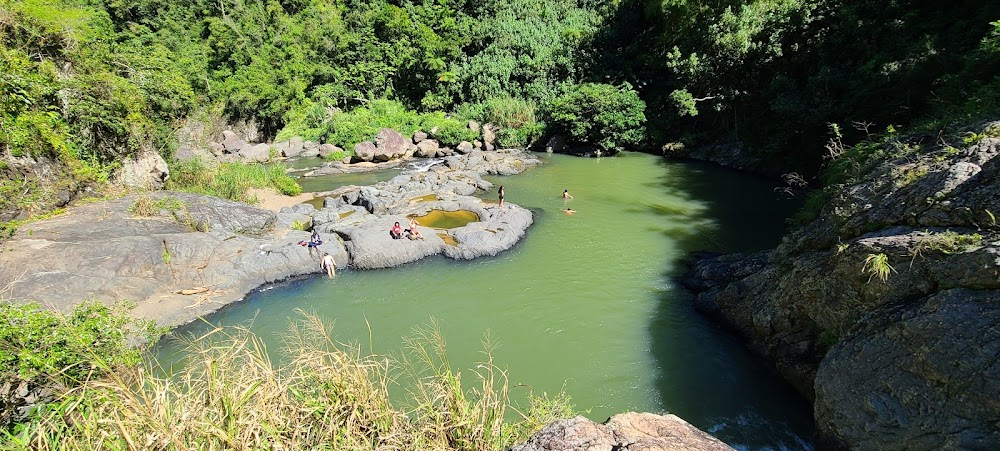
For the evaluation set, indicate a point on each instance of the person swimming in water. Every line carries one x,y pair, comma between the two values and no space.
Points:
329,265
569,212
566,194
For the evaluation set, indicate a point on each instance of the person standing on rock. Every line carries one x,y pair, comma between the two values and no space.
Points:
329,265
500,193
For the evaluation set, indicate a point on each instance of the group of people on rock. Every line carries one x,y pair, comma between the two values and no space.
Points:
397,232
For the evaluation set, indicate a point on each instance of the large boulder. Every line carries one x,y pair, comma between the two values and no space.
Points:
147,170
464,147
364,151
255,153
628,431
489,136
898,380
232,143
295,147
427,148
419,136
327,149
391,145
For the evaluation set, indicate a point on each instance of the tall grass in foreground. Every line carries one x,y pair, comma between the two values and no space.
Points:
329,396
231,180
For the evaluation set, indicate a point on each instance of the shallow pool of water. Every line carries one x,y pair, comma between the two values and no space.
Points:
584,303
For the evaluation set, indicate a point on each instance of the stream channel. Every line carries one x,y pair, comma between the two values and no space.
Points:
584,303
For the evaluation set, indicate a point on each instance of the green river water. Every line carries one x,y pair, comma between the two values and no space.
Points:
584,303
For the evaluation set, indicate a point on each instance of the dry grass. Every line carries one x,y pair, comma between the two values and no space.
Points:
329,396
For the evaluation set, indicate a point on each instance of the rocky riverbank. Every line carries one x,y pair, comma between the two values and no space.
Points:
885,309
180,256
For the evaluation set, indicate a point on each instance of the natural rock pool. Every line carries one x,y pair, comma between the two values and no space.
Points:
584,303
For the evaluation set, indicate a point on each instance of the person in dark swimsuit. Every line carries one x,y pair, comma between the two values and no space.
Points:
500,193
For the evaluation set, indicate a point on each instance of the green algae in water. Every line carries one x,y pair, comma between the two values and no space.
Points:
440,219
428,198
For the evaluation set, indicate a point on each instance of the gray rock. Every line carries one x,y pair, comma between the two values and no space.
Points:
474,126
256,153
146,259
310,145
464,147
327,149
232,143
147,171
477,144
934,385
419,136
898,363
217,149
632,431
391,145
427,148
295,146
364,151
489,136
309,153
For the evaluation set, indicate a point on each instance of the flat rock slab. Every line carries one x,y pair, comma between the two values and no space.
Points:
104,252
221,250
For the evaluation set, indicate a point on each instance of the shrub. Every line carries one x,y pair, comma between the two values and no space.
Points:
42,348
231,180
608,117
448,131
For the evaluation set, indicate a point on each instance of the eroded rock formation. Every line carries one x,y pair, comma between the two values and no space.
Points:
885,308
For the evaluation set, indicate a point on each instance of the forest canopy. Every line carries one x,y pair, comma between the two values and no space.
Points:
93,81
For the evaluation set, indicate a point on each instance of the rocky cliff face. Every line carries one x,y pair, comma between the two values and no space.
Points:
886,308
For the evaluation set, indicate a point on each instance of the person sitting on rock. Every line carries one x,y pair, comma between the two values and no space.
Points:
413,233
314,239
396,232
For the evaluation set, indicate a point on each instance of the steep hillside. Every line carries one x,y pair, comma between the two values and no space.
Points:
885,308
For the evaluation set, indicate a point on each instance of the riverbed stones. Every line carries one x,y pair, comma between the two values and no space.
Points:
464,147
628,431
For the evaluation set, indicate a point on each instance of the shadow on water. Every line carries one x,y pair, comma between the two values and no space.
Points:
744,402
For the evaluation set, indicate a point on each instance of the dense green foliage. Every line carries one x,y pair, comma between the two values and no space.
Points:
602,115
773,74
231,180
40,348
88,82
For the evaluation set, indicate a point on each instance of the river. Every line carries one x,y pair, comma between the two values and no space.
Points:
585,303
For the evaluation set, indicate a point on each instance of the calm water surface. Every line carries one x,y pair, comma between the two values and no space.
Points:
584,303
